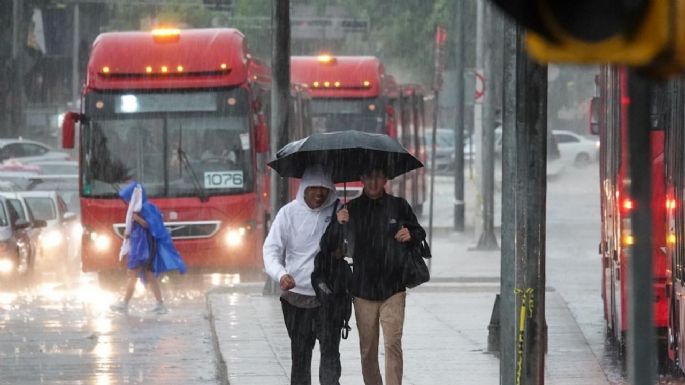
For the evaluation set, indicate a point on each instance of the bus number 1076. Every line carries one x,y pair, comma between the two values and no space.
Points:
224,179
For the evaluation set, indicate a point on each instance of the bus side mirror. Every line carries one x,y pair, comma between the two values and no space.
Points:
69,129
261,135
594,116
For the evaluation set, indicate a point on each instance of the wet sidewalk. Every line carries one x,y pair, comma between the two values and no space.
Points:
445,335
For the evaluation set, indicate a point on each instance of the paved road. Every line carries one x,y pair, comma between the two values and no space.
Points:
55,333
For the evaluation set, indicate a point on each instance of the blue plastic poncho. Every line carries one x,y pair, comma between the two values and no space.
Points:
154,240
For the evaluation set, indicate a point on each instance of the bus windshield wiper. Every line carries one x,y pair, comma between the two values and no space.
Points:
202,194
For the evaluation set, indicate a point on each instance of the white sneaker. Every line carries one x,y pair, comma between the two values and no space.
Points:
159,309
119,307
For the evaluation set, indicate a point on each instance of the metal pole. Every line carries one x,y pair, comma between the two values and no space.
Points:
531,183
17,70
75,89
459,117
641,337
488,240
280,94
507,305
436,115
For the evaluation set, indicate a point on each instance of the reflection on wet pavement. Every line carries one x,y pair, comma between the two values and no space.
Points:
59,333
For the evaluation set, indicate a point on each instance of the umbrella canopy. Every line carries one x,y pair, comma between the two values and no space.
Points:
346,154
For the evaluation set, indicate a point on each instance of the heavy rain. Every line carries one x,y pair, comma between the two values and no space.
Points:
232,191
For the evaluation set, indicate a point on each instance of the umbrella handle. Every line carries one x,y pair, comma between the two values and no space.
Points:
344,194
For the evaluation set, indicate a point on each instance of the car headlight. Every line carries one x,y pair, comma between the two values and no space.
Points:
236,236
101,242
52,238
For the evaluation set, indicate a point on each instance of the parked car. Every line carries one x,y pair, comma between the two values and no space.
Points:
444,149
16,255
29,150
576,149
55,239
56,167
19,205
66,187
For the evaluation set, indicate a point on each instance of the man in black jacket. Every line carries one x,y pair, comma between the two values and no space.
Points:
380,226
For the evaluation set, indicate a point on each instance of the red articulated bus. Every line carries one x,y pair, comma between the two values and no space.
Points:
184,113
354,92
674,165
609,119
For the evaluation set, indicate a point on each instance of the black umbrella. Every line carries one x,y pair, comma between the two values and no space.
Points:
346,154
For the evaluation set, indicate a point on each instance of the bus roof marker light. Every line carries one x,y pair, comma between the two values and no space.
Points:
164,69
223,66
166,35
148,69
105,70
326,59
179,68
315,84
367,83
337,84
326,84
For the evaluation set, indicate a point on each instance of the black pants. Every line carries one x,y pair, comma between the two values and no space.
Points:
305,326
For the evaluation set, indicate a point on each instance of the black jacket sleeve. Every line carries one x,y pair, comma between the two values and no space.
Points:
409,220
333,237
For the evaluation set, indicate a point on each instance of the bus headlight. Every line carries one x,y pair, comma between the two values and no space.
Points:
236,236
6,266
100,241
52,238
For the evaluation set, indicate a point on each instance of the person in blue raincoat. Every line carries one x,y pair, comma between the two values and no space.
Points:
147,246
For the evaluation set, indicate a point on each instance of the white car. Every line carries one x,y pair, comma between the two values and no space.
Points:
56,167
575,149
28,151
55,239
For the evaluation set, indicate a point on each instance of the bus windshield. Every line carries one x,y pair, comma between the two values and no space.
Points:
348,114
175,144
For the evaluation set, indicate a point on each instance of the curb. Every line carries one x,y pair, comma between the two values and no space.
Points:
221,369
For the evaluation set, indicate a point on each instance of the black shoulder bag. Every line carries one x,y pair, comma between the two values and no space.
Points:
415,270
331,281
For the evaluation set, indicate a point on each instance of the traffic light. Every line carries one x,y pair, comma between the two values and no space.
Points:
644,33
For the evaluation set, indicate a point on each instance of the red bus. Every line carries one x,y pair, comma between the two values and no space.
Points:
674,165
609,119
355,92
184,113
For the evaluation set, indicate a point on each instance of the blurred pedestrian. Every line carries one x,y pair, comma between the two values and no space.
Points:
382,226
289,252
147,246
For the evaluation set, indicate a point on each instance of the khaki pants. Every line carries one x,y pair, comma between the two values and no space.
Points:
370,316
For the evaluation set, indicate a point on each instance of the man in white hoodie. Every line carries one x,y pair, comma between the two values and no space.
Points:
289,252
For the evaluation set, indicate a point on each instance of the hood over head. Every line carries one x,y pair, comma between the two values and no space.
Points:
314,175
127,192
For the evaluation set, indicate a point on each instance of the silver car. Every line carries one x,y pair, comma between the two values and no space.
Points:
16,254
28,151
